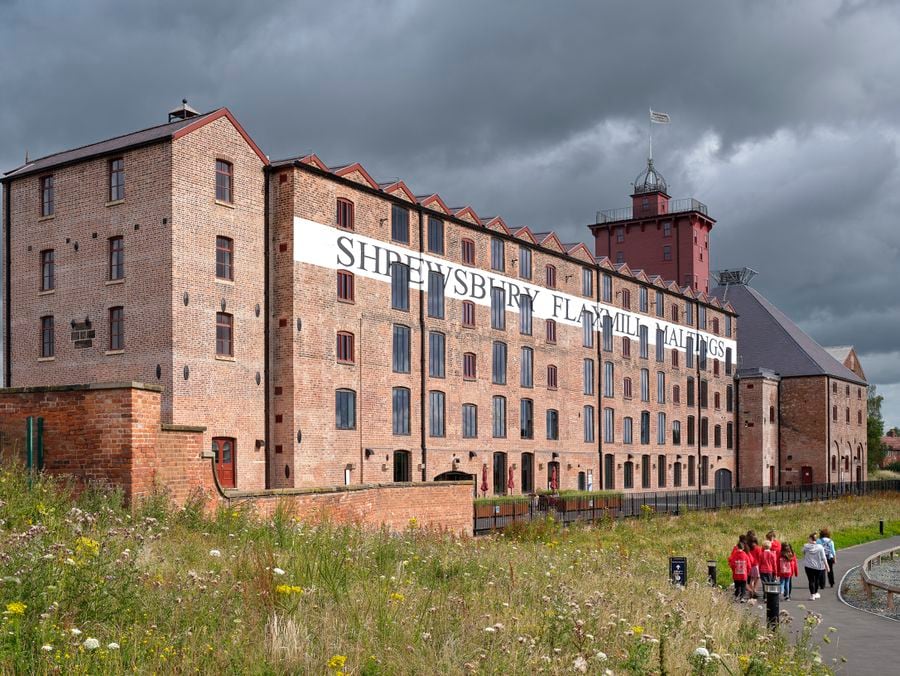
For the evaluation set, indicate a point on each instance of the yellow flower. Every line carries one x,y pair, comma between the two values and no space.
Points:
86,547
413,522
744,661
397,597
337,661
637,629
16,608
288,589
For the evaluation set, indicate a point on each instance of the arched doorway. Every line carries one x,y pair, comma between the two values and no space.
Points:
527,478
723,479
402,467
499,473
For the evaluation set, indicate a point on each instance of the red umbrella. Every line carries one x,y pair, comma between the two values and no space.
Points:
554,480
511,484
484,483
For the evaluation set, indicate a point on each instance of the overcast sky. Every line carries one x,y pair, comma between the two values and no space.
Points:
784,116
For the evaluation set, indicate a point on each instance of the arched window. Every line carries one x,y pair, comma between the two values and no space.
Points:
344,216
551,377
345,409
551,276
345,286
628,475
345,351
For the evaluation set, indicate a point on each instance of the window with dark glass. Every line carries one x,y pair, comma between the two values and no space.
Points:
609,472
552,377
436,403
674,312
345,409
729,398
690,391
468,314
224,181
116,258
587,282
626,347
704,470
345,351
435,294
660,345
469,421
676,394
626,299
715,325
525,313
689,351
345,286
667,252
48,342
609,425
627,430
645,385
468,251
676,474
224,335
499,466
469,366
499,417
401,348
436,350
116,179
729,435
660,387
701,316
400,410
692,469
399,224
676,433
609,379
552,424
661,471
551,276
704,431
690,430
526,375
47,196
498,308
48,270
527,470
717,400
728,365
689,314
715,367
225,258
661,428
588,376
344,218
607,287
626,388
587,328
551,330
645,471
498,254
588,415
643,332
704,393
620,234
435,235
642,299
526,419
645,427
524,262
660,304
628,474
498,366
402,467
717,436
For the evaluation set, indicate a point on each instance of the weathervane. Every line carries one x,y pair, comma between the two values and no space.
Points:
655,118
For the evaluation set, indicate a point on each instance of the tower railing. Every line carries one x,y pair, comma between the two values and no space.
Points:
675,207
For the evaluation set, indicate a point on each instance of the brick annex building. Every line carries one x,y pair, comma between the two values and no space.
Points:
328,329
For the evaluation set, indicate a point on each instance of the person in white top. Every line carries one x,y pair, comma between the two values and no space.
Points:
815,564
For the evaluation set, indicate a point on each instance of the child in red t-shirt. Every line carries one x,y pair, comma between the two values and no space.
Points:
739,561
776,545
787,570
767,562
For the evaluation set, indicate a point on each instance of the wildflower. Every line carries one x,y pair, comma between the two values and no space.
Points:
413,522
47,648
215,553
638,630
91,644
75,631
86,547
277,571
744,661
702,652
337,661
600,656
580,664
288,589
490,630
397,597
499,626
426,635
112,646
16,608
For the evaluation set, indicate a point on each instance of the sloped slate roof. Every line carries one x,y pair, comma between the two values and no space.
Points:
767,338
137,138
840,352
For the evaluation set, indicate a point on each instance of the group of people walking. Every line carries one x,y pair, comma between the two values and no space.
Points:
775,562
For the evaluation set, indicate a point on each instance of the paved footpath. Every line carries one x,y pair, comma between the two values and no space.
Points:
868,642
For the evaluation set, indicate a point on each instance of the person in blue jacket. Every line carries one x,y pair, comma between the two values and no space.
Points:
828,544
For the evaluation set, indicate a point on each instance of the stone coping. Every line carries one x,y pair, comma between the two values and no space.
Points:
286,492
124,385
182,428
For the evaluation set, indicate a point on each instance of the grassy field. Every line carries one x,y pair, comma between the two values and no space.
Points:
90,588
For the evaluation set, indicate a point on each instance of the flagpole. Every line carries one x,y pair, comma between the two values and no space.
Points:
650,133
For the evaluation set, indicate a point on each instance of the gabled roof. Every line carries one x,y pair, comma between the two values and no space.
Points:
398,185
466,213
525,233
495,223
347,171
157,134
847,356
839,352
769,339
433,201
579,250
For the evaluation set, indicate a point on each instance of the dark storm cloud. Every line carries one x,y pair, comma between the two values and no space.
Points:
784,114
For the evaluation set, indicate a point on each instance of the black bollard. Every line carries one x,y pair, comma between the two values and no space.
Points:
711,572
773,595
881,526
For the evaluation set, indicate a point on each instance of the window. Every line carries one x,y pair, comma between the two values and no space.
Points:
703,353
48,270
675,358
645,385
436,402
116,179
224,181
224,335
607,287
642,299
628,475
498,367
690,391
402,467
728,326
660,345
645,342
609,379
729,435
498,255
701,316
499,463
717,400
525,314
704,431
551,276
688,314
587,328
704,394
661,428
345,351
469,366
498,308
47,196
645,427
552,424
116,258
620,257
588,416
676,433
401,347
667,228
645,471
48,342
399,224
859,417
834,388
691,436
847,417
660,387
626,347
609,427
771,414
676,474
436,350
689,351
587,282
667,252
552,381
468,314
435,235
524,262
626,299
660,304
728,365
527,472
526,376
345,409
676,394
729,402
435,294
717,436
345,286
692,469
588,376
715,367
400,286
715,325
225,258
526,419
674,312
551,331
400,410
469,421
499,415
607,333
626,388
468,251
704,470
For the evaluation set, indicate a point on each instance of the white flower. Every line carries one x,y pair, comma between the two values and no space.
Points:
580,664
600,656
490,630
715,656
425,636
215,553
499,626
113,646
702,652
47,648
91,644
277,571
70,561
75,631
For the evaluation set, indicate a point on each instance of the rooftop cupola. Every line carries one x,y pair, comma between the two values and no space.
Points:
650,180
182,112
650,196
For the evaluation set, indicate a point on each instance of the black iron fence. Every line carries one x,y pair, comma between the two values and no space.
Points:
491,517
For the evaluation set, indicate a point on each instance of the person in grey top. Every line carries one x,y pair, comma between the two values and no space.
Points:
815,563
826,542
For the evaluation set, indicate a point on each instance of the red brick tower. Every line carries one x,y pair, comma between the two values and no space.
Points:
657,234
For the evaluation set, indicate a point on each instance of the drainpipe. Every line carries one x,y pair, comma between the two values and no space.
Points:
601,478
778,432
267,360
828,438
7,301
422,347
736,436
699,408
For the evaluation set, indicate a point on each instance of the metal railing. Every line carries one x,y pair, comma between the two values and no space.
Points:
675,207
678,502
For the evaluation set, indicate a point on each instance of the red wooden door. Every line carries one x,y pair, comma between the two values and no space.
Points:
806,475
225,452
